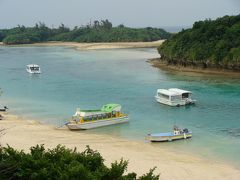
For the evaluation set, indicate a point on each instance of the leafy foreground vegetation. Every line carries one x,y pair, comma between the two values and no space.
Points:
209,43
62,163
98,31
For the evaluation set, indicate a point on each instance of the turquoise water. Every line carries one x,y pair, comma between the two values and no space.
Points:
89,79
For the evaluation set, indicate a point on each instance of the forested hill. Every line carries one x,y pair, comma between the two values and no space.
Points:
98,31
209,43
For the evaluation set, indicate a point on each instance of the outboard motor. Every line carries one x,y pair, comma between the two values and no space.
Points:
185,130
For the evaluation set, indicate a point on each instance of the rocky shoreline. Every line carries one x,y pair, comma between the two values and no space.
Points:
185,66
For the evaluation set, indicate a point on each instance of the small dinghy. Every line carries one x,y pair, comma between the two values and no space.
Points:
177,134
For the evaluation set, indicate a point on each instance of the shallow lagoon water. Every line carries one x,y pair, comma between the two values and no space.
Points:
89,79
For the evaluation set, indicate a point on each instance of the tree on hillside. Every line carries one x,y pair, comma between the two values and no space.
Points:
106,24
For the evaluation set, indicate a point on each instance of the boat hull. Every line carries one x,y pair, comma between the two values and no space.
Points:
98,123
33,72
173,103
168,137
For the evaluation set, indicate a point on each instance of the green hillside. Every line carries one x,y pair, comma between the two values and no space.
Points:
98,31
209,43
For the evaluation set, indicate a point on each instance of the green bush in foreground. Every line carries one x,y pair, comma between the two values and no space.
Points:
62,163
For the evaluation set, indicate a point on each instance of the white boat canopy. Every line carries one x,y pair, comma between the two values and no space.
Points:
167,92
32,65
180,91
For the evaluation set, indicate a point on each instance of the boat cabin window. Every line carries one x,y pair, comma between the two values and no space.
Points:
163,96
87,118
185,95
175,98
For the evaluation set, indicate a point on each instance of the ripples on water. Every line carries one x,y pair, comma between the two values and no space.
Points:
235,132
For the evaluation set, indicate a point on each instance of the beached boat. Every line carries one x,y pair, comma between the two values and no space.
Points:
33,69
109,114
174,97
177,134
5,108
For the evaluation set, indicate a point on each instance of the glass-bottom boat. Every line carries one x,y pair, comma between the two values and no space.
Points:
109,114
174,97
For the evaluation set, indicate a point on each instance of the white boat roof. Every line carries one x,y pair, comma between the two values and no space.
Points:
33,65
181,91
167,92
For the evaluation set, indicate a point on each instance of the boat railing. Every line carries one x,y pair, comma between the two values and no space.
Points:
96,110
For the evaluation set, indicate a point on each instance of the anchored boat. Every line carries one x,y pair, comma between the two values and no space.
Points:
170,136
33,69
174,97
109,114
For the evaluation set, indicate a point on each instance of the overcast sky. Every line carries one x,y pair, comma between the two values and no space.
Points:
133,13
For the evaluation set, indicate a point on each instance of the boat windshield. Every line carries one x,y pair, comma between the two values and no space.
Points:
185,95
34,68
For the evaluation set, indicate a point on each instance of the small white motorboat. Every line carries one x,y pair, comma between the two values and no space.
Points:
33,69
174,97
177,134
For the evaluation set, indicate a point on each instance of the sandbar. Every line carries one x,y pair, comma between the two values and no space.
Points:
95,46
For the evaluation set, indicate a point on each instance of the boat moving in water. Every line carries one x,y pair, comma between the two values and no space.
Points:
33,69
109,114
174,97
177,134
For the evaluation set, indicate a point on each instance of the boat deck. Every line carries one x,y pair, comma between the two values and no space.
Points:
162,134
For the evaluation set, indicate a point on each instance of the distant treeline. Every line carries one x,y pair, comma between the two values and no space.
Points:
98,31
209,43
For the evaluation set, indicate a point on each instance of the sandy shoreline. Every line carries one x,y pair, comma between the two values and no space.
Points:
94,46
192,71
21,134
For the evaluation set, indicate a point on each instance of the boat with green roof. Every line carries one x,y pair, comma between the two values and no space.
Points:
109,114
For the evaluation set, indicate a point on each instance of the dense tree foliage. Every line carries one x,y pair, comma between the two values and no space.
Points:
62,163
98,31
210,43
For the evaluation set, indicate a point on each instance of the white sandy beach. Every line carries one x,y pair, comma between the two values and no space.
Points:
22,134
93,46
